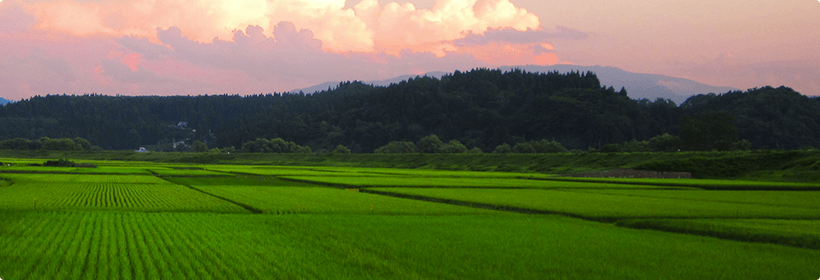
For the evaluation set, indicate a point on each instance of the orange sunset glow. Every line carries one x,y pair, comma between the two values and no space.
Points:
156,47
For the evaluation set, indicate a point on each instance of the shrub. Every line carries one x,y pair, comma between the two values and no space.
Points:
397,147
524,148
430,144
340,149
548,147
503,149
453,147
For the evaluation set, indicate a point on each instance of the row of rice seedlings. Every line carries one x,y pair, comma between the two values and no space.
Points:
268,171
701,183
606,207
434,173
238,180
298,200
797,233
136,197
431,182
798,199
84,178
185,172
328,171
112,245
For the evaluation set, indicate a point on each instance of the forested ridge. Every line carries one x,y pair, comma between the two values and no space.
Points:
482,108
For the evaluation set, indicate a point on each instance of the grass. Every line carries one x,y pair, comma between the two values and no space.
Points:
92,245
797,233
603,207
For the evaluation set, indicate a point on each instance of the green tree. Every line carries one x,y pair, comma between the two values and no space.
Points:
503,149
706,132
665,143
429,144
397,147
340,149
453,147
133,139
200,146
524,148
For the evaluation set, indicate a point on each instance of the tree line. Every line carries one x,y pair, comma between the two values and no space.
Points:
481,110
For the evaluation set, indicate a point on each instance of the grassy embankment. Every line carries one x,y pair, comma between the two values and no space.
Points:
789,166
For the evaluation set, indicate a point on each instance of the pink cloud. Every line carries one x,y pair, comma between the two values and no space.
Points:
167,47
512,36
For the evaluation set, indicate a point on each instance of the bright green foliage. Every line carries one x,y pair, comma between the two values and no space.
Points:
698,183
31,193
798,233
110,245
797,199
292,200
609,207
98,170
187,172
452,182
239,180
283,171
84,178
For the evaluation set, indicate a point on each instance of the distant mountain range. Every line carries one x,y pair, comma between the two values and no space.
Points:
3,101
638,85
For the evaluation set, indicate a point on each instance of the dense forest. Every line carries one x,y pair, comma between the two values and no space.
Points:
480,109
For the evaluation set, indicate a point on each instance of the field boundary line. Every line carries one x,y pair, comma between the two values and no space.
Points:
70,173
806,242
477,187
704,187
673,198
252,209
487,206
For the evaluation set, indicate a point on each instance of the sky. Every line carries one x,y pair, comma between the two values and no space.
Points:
187,47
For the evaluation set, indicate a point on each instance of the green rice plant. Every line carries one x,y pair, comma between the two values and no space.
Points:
90,245
602,207
238,180
797,233
109,196
431,172
165,171
291,200
84,178
796,199
712,184
76,170
454,182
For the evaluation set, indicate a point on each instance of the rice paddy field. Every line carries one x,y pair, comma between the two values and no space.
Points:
140,220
